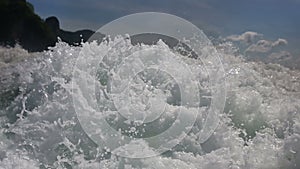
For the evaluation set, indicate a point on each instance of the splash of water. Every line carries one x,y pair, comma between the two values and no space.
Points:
260,126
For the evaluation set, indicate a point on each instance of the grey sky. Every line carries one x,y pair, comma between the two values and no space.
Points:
272,18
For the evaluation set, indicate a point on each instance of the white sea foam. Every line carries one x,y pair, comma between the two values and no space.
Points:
260,126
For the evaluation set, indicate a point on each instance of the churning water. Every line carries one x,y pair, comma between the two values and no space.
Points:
259,128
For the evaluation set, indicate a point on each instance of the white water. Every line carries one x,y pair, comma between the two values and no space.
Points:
260,127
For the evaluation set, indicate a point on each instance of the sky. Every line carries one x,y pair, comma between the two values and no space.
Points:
272,18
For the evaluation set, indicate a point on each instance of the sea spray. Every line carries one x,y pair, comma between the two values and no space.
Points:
39,128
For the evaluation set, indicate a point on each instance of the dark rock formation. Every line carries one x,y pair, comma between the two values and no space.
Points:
21,25
75,38
53,23
72,38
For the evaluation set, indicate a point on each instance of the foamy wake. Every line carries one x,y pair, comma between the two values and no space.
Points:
260,126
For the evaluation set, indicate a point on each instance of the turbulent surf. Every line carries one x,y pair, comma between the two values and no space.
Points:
259,127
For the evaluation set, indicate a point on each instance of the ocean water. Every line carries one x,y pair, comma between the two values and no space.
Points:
40,94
